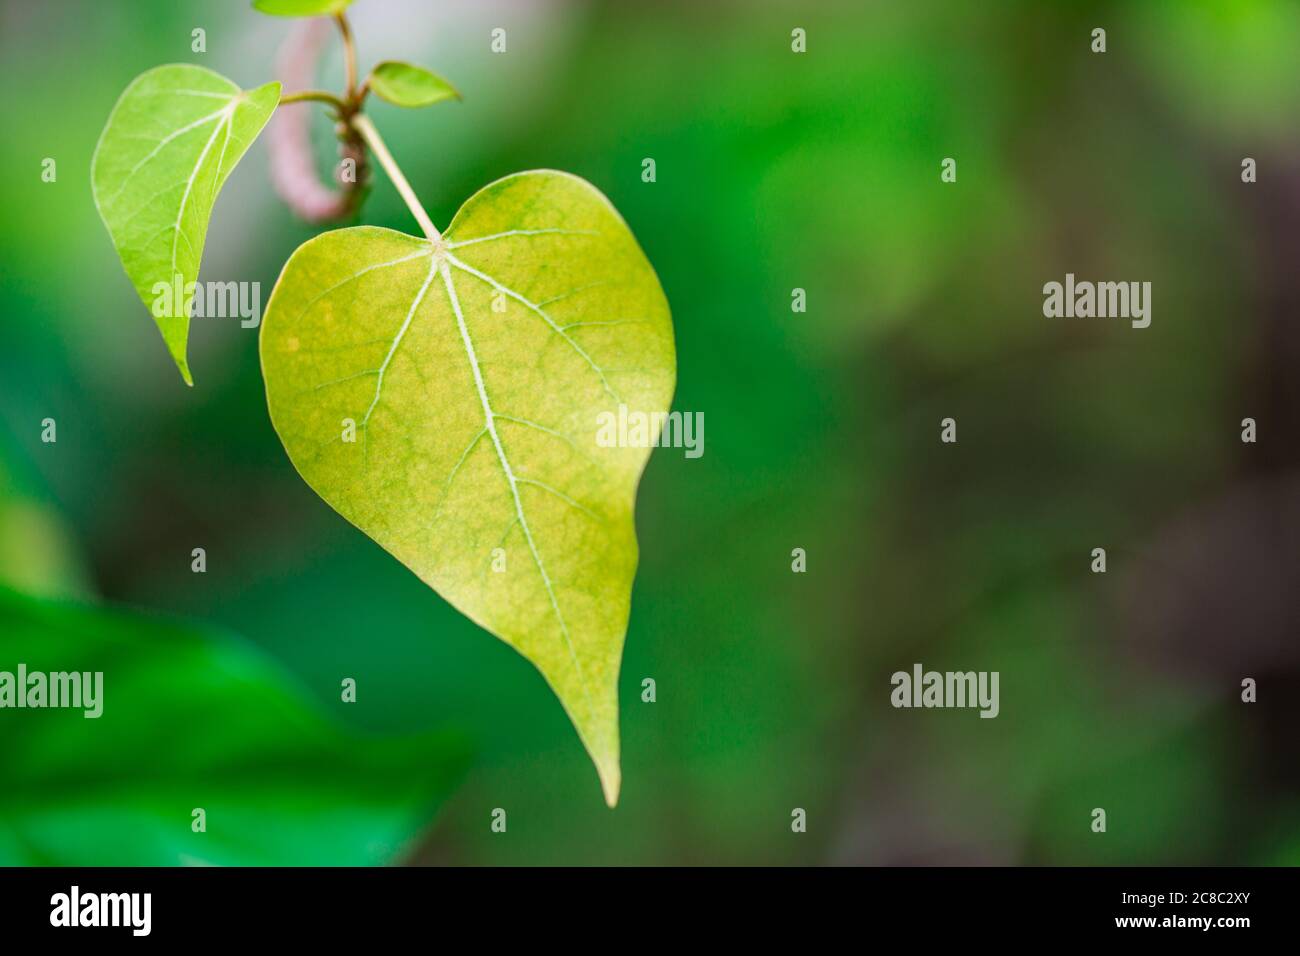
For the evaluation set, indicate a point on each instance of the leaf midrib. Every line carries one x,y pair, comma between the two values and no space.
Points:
228,122
490,424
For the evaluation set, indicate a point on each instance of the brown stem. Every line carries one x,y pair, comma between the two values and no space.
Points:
293,167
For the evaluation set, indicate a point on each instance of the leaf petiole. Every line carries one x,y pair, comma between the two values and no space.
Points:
314,96
361,123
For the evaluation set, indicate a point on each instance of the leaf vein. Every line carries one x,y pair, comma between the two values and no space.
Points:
562,496
392,350
534,307
157,149
490,425
522,232
357,275
189,185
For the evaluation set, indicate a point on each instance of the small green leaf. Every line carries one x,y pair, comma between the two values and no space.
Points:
194,719
301,8
446,397
403,84
172,139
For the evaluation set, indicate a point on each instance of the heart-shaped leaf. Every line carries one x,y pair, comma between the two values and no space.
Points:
404,84
445,397
172,139
191,718
301,8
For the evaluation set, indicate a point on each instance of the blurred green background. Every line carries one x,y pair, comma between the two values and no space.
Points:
775,171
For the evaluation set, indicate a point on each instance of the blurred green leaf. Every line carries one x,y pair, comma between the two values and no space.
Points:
195,719
169,144
403,84
1185,47
37,553
473,375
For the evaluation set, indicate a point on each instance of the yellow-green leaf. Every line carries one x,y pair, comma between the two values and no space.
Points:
445,397
172,139
301,8
403,84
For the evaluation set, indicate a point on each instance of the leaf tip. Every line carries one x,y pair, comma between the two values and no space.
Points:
611,779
